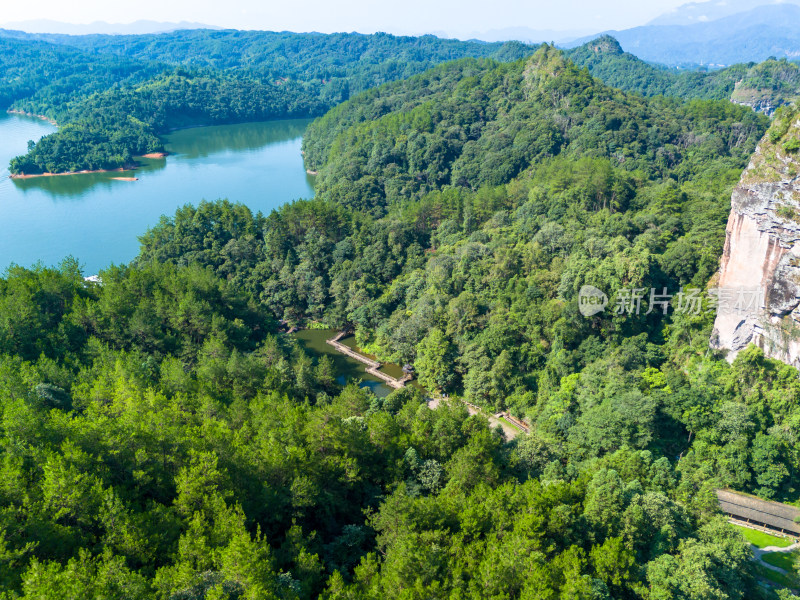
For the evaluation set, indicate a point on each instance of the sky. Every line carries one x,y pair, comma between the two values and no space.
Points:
454,17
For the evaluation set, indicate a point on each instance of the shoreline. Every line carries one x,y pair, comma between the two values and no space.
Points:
35,116
32,175
151,155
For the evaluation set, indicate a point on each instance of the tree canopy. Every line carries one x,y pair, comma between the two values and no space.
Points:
160,438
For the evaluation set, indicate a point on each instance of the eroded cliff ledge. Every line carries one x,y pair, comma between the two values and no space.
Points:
759,279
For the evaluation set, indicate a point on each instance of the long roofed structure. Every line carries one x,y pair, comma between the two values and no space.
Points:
772,515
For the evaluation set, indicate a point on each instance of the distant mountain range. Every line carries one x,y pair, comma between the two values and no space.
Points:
715,33
750,36
712,33
135,28
703,12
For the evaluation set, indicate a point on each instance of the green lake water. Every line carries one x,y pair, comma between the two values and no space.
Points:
313,341
390,369
98,219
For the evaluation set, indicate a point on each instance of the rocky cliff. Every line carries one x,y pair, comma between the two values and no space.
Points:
758,290
765,86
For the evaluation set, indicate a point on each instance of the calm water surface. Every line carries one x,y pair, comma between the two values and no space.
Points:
97,219
313,341
390,369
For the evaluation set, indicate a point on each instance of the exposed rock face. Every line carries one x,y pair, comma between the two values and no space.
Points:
764,105
759,281
766,86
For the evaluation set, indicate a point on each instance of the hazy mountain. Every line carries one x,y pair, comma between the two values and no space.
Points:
703,12
754,35
135,28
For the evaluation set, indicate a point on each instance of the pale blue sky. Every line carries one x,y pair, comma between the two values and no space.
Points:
456,17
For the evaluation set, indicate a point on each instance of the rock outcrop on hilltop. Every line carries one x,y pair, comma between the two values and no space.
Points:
759,280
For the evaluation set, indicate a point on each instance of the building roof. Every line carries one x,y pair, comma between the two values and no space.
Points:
772,514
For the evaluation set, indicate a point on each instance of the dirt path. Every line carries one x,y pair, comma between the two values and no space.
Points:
794,546
509,431
759,553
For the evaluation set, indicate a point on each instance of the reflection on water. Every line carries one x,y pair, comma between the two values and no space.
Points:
75,186
391,369
348,369
98,219
200,142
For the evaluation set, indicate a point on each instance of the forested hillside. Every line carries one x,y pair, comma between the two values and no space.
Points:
115,95
143,86
764,86
108,129
335,66
474,277
160,439
472,124
59,74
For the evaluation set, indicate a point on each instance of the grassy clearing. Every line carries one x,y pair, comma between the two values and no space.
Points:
761,539
775,577
782,560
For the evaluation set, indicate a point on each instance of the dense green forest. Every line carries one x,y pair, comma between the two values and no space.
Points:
326,61
159,438
143,86
61,74
472,124
475,279
764,86
333,66
107,130
116,95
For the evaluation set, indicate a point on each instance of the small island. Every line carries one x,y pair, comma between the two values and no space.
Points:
128,166
84,172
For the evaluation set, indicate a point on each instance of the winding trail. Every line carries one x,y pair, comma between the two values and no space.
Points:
759,553
511,426
500,419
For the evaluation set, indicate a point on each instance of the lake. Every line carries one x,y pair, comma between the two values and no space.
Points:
97,219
